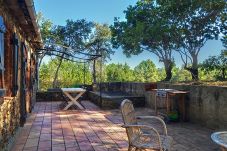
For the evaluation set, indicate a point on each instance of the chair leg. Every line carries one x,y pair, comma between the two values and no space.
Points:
130,148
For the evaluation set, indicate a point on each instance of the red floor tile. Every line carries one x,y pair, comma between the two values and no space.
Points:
51,129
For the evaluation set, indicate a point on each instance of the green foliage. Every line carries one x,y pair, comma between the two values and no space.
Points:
224,29
180,74
208,75
224,41
100,71
74,34
146,72
46,27
197,22
45,80
216,63
146,29
161,74
119,72
100,41
70,74
163,26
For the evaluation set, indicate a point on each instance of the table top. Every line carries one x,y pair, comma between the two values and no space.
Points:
73,89
220,138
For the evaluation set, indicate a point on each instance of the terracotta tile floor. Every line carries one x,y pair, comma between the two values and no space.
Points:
50,129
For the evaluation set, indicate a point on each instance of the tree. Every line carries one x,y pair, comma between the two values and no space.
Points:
73,73
224,29
70,74
146,72
146,29
44,76
211,75
224,40
100,44
218,63
161,74
46,27
73,35
198,22
119,73
180,74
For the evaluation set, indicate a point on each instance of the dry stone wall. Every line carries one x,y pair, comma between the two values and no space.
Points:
135,88
207,105
9,106
9,121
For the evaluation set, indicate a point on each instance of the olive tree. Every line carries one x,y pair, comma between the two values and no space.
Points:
147,28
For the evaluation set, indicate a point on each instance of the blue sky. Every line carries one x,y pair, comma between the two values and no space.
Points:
104,11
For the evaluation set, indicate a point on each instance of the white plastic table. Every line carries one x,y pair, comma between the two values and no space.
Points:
221,139
69,91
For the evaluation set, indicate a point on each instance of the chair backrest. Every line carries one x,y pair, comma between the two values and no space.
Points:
129,118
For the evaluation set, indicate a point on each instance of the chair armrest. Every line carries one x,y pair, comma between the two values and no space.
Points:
147,127
157,118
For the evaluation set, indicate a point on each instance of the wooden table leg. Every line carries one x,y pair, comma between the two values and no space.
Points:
155,104
181,103
73,100
167,104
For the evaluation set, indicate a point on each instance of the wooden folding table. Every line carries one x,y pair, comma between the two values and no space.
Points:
73,100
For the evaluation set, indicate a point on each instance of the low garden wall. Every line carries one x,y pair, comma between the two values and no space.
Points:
112,100
54,95
135,88
206,105
45,96
9,121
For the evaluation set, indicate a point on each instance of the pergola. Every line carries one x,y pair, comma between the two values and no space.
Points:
70,54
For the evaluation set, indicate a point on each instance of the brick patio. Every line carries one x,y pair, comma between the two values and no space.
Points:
49,128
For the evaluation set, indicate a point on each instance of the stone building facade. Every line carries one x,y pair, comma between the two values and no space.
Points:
19,39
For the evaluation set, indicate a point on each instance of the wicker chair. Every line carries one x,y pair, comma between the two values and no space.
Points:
142,136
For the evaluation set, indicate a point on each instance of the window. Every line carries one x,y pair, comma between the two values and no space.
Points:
2,31
15,64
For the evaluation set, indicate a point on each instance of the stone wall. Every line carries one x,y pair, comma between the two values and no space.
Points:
44,96
207,105
113,100
10,110
9,121
135,88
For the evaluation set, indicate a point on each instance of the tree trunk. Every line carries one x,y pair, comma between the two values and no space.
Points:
94,72
223,73
56,73
168,74
194,74
41,59
168,69
194,69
